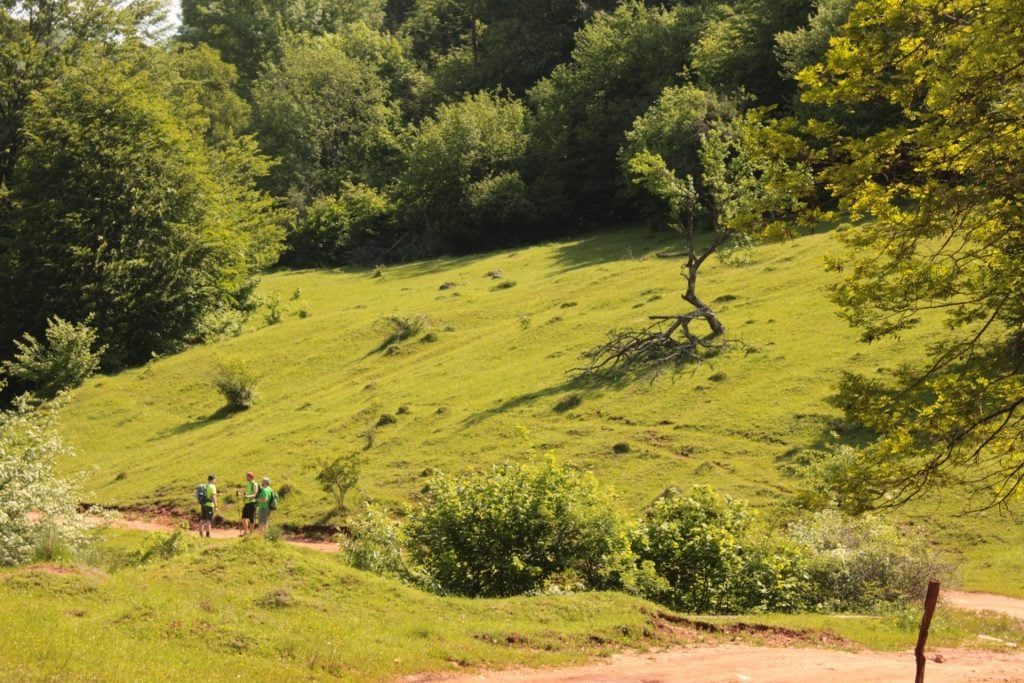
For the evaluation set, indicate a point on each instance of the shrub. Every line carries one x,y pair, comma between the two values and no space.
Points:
506,531
273,315
375,544
164,546
339,229
857,563
399,328
695,543
236,381
64,361
339,476
39,514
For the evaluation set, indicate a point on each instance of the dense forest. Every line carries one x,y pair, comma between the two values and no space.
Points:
147,174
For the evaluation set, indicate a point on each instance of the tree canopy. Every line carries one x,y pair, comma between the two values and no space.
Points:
119,209
941,192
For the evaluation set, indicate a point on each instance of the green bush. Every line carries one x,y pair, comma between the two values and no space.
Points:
858,563
509,530
339,229
64,361
696,543
236,381
164,546
399,327
375,544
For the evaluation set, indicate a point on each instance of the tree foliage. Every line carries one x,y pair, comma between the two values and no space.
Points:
250,34
625,57
325,110
462,186
119,208
941,189
64,361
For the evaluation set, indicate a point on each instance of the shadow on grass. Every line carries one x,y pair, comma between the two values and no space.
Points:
607,247
576,390
221,413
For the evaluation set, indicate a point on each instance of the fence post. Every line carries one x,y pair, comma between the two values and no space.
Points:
926,621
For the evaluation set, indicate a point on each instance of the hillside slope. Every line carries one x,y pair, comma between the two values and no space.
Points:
493,356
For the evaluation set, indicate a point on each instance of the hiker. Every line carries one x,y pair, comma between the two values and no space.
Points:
208,506
266,500
249,504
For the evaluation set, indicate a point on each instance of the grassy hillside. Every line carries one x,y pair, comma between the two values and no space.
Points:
224,608
493,355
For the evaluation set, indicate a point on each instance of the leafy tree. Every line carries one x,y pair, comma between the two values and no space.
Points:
65,361
326,112
743,190
627,57
39,507
38,38
508,530
807,45
339,476
495,44
119,208
461,187
200,82
942,190
736,49
250,33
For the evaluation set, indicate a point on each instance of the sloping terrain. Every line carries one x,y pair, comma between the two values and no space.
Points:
499,335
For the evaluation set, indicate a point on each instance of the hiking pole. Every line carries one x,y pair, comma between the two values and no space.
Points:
926,621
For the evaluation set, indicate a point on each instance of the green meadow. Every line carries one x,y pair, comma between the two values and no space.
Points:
500,335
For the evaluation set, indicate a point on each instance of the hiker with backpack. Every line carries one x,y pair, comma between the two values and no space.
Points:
206,495
266,500
249,504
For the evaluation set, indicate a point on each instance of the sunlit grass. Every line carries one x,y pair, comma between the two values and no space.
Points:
486,361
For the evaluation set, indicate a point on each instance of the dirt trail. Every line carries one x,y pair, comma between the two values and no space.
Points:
168,524
985,602
735,663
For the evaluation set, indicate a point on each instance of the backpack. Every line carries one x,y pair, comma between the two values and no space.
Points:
272,503
201,494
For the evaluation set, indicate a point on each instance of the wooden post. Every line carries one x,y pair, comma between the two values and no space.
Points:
926,621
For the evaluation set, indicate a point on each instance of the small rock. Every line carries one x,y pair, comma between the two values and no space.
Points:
447,285
495,274
938,658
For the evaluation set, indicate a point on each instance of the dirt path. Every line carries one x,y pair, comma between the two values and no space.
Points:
985,602
168,524
737,663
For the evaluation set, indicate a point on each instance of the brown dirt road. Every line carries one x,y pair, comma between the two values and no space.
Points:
733,663
738,663
168,524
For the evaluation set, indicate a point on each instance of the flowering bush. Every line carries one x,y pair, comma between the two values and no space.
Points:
40,509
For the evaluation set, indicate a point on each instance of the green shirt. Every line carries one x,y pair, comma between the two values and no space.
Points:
263,498
251,489
211,493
